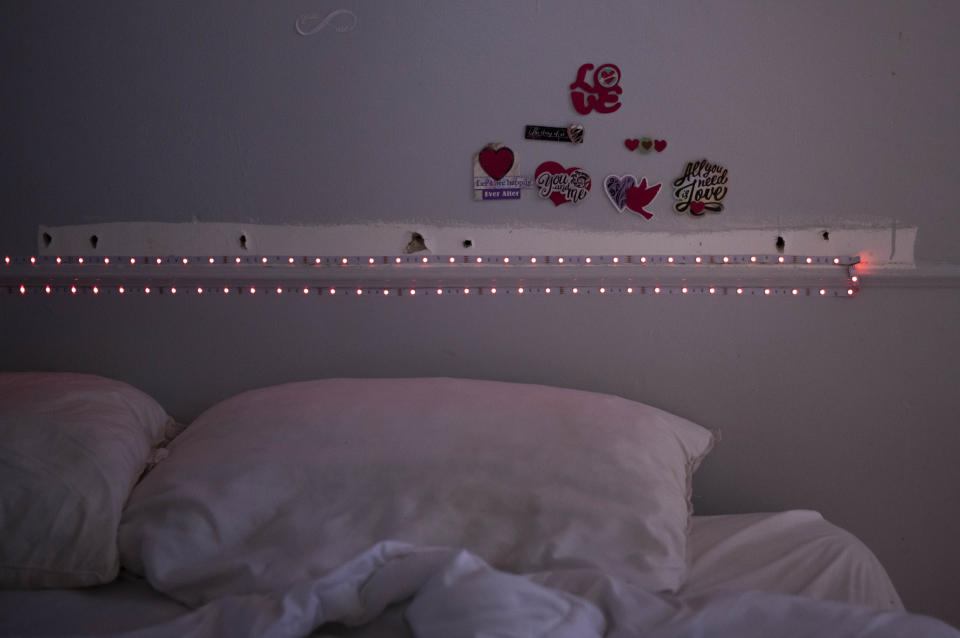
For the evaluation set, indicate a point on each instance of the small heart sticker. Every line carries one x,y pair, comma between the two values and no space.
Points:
660,145
631,144
696,208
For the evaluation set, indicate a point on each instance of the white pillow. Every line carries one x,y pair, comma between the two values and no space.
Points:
287,483
71,448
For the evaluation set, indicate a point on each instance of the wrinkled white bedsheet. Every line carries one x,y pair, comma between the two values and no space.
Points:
452,593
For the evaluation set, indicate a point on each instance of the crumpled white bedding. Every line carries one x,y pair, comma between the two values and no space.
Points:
452,594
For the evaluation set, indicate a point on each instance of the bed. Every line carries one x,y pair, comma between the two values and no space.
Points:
398,507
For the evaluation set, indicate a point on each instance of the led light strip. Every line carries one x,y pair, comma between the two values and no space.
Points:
431,260
426,291
433,275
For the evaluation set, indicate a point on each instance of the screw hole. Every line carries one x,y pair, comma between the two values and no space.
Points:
416,243
243,242
825,235
781,244
94,240
47,239
468,243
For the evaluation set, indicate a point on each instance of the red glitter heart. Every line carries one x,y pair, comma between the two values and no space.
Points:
696,207
631,144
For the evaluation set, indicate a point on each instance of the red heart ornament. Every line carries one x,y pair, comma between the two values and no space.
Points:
496,163
696,207
660,145
631,144
556,193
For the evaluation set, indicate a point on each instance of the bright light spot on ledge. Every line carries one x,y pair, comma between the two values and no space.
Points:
493,291
766,291
670,259
657,290
121,290
560,260
576,290
823,291
630,291
739,291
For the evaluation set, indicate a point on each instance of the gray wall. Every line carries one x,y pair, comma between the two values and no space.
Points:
826,113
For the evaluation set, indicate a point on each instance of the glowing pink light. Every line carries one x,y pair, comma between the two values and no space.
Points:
452,260
146,290
587,260
236,260
560,260
424,260
493,291
616,260
753,259
603,291
506,260
173,291
657,290
133,261
766,291
79,260
199,290
519,291
629,291
413,291
466,291
185,260
253,291
726,260
359,291
809,260
850,291
333,291
739,291
780,259
684,290
96,290
823,291
47,289
670,259
106,260
73,290
439,291
371,260
121,290
23,290
713,290
344,261
160,261
533,260
795,291
306,291
279,291
226,290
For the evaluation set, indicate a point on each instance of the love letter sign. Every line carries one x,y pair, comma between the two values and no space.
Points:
625,193
701,188
561,185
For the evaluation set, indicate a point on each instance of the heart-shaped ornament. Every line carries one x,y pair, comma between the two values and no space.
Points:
561,185
575,133
631,144
646,144
659,145
696,208
616,188
496,163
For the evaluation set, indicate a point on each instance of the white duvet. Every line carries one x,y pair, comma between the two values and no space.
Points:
450,593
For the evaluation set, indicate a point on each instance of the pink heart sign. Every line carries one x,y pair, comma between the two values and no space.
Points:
561,185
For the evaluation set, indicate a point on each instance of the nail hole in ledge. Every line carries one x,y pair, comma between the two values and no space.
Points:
781,244
416,243
94,240
47,240
243,242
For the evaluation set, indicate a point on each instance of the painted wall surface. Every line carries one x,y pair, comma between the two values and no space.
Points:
826,113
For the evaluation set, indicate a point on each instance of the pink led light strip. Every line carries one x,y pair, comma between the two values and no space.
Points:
326,275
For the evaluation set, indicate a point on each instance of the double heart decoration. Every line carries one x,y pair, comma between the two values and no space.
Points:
625,193
645,144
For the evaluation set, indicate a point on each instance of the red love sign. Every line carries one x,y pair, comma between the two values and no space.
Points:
631,144
561,185
496,163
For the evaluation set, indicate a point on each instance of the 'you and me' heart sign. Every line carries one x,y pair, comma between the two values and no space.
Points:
561,185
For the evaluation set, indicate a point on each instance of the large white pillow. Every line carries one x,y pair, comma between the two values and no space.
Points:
286,483
71,448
